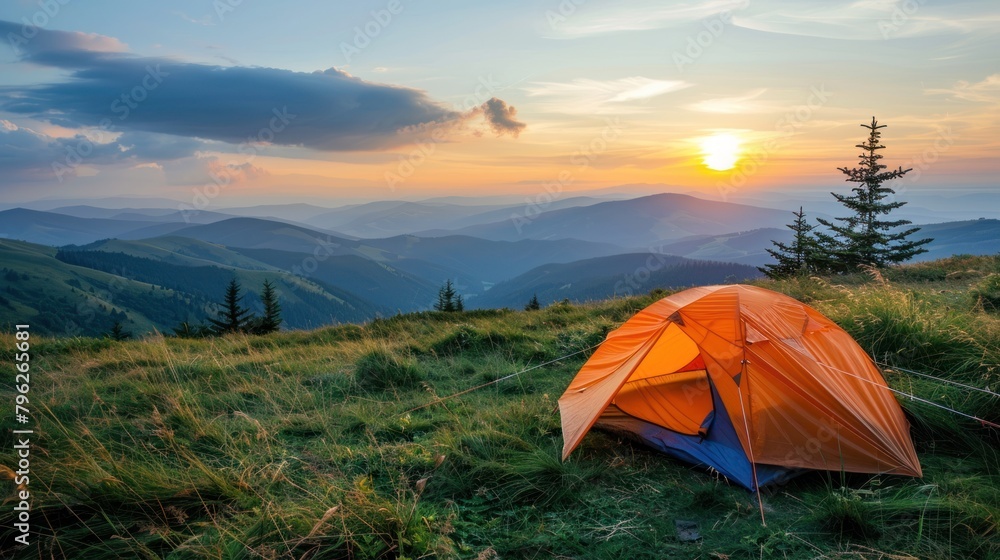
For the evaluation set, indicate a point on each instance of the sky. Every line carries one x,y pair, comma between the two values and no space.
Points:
217,101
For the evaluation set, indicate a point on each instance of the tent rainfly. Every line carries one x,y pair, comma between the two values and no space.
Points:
746,381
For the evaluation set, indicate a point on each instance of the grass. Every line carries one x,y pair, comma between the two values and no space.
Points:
320,444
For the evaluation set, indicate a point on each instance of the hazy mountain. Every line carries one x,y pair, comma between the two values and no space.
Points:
491,261
297,212
605,277
257,233
141,214
391,218
528,206
49,228
976,237
105,202
922,206
478,260
747,247
637,222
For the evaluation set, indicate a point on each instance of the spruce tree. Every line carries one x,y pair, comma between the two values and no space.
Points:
234,317
863,238
795,258
448,299
533,304
271,321
118,332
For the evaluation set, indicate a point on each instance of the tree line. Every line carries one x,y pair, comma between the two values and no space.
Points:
235,318
866,237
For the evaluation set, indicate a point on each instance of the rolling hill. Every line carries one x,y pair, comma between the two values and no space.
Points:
141,214
258,233
59,298
638,222
614,276
392,218
50,228
489,261
176,250
85,292
392,288
373,281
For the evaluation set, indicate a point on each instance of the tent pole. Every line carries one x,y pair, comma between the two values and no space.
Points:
746,427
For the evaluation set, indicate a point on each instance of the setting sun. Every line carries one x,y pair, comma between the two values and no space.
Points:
720,151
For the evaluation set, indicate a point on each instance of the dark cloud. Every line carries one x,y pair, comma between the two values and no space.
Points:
31,155
500,117
329,110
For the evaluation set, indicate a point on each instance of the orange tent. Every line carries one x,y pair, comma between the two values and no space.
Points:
749,382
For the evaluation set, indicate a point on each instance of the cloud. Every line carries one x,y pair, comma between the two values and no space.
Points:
236,172
867,20
203,20
587,96
40,42
740,104
324,110
619,18
986,91
28,154
501,117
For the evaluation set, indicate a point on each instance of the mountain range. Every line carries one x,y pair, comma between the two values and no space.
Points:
360,261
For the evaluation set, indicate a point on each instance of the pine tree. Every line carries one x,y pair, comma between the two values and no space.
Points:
795,258
118,332
863,238
448,299
235,317
533,304
271,320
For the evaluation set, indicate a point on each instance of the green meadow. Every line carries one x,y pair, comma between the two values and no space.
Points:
341,442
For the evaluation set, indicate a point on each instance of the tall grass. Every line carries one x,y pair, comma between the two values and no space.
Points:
339,443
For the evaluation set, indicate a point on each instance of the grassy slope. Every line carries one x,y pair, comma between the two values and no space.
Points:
305,444
61,298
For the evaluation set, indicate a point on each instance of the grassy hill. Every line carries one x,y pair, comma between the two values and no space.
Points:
329,444
61,299
88,294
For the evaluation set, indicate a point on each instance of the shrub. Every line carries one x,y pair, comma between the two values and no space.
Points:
987,292
381,369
